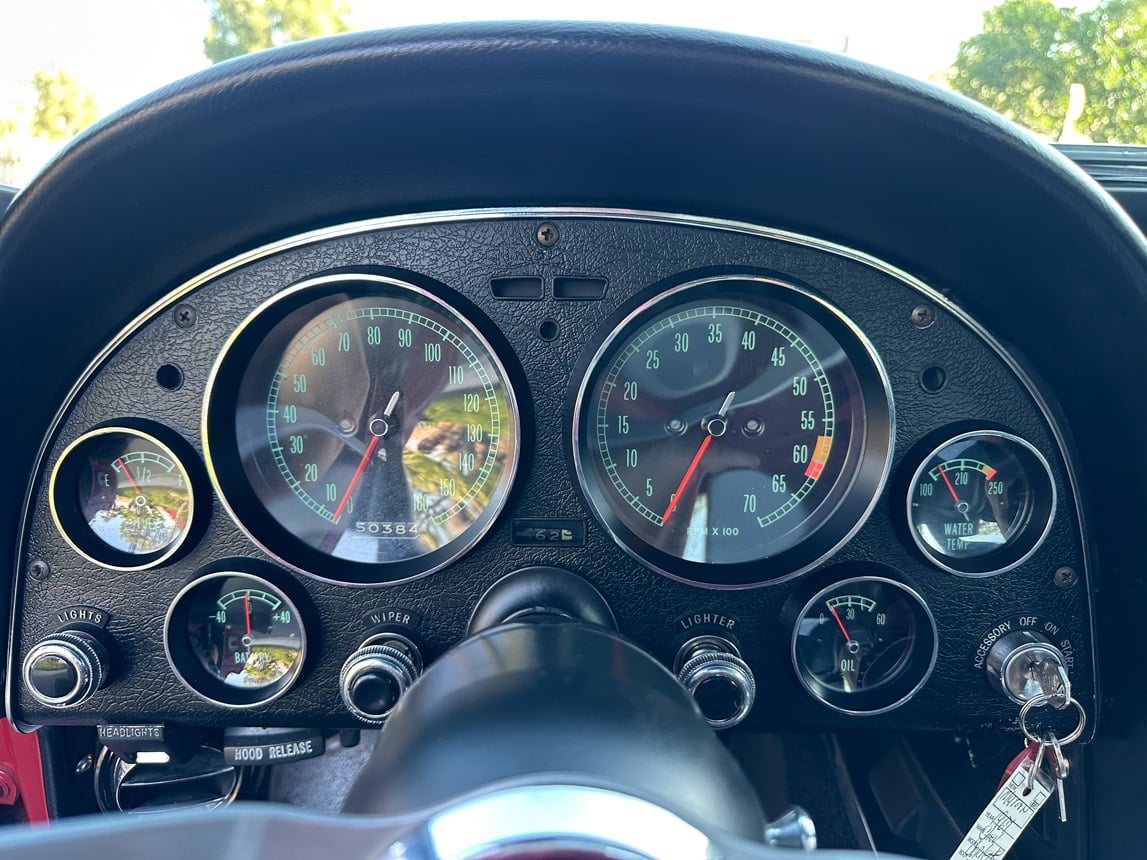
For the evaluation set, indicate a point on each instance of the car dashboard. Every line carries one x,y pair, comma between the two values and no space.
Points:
765,357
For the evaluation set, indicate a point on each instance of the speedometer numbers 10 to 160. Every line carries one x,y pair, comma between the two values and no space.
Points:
362,430
981,503
864,645
733,431
235,639
122,498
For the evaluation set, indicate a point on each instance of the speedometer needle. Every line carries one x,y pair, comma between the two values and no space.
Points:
714,426
379,427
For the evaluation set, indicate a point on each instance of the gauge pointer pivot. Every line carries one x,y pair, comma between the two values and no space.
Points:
379,427
714,425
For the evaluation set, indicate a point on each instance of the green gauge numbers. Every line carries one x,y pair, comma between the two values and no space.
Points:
864,645
362,430
733,431
981,503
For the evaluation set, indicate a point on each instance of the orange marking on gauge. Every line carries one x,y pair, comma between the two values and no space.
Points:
819,456
989,472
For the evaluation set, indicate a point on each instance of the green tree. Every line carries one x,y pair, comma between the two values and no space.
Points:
1031,52
239,27
63,107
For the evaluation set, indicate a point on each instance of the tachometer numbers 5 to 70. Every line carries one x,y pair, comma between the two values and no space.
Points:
981,503
733,431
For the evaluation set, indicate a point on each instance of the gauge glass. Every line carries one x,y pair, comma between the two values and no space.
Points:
362,430
733,431
235,639
122,498
864,645
981,503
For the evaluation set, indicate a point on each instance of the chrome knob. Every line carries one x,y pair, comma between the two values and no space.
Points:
720,682
66,668
1023,664
375,677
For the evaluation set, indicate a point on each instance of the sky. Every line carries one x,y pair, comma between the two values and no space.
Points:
123,49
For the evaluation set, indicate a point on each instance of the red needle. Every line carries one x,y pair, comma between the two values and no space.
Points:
951,489
126,472
247,611
354,480
688,474
832,609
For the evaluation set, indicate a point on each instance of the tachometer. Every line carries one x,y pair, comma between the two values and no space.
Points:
361,429
733,431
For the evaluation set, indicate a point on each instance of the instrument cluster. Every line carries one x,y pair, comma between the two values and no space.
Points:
728,431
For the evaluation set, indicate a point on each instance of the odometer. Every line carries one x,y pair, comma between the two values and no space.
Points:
361,429
733,431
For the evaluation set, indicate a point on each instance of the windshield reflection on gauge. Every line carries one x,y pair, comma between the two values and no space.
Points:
122,497
375,428
235,638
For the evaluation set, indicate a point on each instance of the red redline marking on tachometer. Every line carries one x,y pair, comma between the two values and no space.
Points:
354,479
684,481
832,609
119,460
819,457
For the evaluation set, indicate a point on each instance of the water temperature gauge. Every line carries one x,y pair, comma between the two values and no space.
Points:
981,503
864,645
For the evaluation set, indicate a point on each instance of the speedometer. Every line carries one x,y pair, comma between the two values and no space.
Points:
361,429
733,431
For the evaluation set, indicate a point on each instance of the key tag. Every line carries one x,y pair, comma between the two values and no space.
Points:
1023,791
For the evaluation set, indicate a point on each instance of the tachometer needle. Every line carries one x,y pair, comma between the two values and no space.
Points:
840,623
711,427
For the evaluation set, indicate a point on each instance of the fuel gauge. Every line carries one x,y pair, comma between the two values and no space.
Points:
981,503
122,498
864,645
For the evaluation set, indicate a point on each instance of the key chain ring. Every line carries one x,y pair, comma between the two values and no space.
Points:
1044,698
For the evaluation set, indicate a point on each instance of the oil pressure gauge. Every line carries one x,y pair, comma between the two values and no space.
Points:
864,645
981,503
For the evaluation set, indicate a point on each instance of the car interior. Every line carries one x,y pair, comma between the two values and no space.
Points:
538,440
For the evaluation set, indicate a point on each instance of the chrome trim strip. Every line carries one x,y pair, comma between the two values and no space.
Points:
394,221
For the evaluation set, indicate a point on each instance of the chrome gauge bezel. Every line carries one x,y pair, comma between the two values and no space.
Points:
187,667
858,704
1031,535
851,500
78,534
225,467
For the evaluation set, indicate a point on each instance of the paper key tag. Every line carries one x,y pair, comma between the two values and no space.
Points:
1009,812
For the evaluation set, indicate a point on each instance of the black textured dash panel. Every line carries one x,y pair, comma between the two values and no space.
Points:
635,256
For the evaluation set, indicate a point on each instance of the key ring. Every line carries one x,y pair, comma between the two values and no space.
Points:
1041,699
